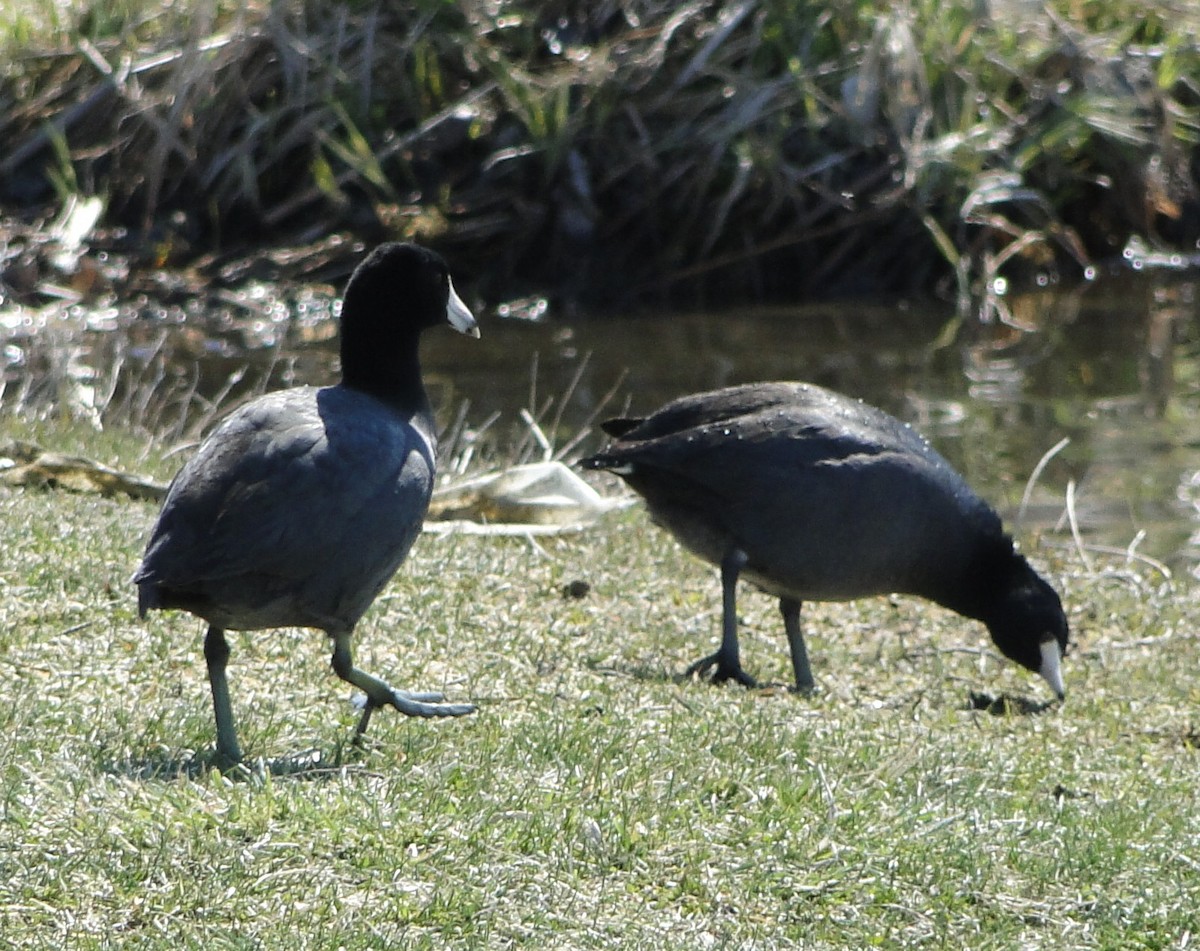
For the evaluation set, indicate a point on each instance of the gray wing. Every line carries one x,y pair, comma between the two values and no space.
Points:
295,483
837,498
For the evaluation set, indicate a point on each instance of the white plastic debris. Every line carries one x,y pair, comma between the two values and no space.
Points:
539,498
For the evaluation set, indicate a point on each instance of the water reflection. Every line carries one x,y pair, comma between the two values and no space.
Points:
1113,366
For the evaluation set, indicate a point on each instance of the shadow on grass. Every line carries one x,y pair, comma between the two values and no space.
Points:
642,672
1004,704
1187,737
1008,705
308,765
647,673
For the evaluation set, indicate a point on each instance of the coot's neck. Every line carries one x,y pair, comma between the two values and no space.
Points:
975,590
388,369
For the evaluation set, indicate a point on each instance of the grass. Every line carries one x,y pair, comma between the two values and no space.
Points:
633,152
593,800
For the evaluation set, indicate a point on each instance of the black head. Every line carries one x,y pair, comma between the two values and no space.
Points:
396,292
1028,624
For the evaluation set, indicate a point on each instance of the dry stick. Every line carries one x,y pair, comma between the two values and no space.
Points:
214,405
155,368
482,428
179,430
585,429
454,435
1128,554
565,397
114,376
533,375
366,73
450,436
1035,475
523,450
451,440
538,436
1075,534
24,399
124,409
215,42
1132,554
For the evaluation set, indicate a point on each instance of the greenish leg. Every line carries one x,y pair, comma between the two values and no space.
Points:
380,693
216,656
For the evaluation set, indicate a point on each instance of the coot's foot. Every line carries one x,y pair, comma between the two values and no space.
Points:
725,670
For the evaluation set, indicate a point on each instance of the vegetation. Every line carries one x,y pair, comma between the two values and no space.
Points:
629,149
593,801
924,797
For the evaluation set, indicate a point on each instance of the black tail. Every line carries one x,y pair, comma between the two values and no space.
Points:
620,425
615,427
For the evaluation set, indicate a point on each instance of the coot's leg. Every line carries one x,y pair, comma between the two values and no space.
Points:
216,656
790,608
727,659
381,694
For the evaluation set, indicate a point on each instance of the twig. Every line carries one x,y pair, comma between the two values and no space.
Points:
1147,641
538,436
1128,553
534,360
566,395
1074,523
215,407
1035,475
585,429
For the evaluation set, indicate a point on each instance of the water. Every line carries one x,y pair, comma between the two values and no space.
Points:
1114,367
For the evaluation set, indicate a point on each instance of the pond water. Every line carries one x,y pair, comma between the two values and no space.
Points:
1113,366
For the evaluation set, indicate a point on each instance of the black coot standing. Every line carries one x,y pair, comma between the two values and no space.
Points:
301,505
814,496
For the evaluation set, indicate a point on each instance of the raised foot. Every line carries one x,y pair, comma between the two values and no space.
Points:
410,704
427,705
725,671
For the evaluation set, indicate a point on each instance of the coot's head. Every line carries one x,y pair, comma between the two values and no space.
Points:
396,292
1028,624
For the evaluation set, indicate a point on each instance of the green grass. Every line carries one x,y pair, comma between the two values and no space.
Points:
593,801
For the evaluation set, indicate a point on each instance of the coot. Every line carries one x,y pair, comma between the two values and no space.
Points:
299,507
814,496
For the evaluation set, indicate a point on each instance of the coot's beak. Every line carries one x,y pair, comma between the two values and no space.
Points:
1051,668
459,314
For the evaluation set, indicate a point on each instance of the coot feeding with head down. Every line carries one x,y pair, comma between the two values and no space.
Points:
814,496
300,506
